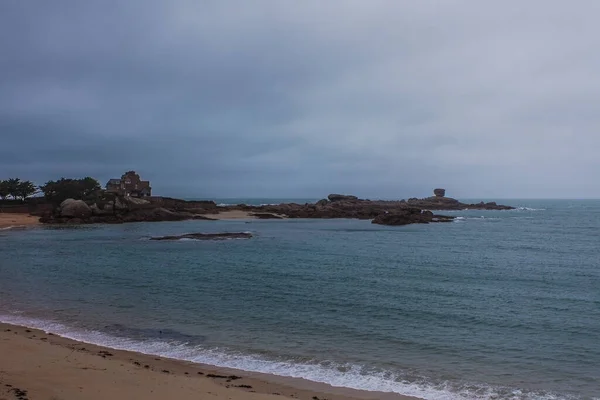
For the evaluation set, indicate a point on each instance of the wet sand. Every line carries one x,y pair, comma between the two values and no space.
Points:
39,365
15,220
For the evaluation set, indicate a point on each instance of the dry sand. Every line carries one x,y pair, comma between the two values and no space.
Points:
14,220
233,214
35,365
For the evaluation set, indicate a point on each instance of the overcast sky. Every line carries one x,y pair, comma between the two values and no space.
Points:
303,98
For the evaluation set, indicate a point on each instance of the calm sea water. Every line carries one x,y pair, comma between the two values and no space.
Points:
496,305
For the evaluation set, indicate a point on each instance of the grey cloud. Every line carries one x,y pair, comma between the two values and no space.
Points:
269,98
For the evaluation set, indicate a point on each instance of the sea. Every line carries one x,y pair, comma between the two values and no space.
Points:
495,305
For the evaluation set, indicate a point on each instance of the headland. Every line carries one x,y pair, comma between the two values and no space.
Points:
122,209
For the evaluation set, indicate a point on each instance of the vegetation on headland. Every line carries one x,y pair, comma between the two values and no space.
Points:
54,191
17,189
57,191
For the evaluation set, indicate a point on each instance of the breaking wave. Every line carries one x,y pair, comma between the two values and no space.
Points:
336,374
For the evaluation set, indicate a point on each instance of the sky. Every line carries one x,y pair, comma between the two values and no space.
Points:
281,98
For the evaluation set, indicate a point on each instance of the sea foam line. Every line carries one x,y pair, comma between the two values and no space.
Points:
7,228
334,374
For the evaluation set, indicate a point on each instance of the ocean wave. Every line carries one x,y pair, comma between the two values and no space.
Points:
530,209
335,374
481,218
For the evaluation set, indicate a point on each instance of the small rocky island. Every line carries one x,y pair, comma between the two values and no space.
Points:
207,236
122,209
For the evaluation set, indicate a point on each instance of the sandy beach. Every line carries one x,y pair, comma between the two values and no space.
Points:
38,365
15,220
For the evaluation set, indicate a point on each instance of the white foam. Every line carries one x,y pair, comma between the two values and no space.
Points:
334,374
480,218
7,228
530,209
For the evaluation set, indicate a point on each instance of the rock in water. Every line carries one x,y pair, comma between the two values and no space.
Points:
207,236
439,192
71,208
409,216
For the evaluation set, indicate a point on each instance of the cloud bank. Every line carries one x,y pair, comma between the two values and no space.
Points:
300,99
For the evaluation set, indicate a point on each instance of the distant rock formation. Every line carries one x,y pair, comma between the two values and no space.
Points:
439,192
341,197
125,209
207,236
409,216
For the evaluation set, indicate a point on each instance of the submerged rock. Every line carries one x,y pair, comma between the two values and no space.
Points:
207,236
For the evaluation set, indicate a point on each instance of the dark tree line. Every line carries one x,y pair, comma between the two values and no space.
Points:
78,189
54,191
17,189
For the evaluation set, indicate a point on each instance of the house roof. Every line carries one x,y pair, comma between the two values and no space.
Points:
114,181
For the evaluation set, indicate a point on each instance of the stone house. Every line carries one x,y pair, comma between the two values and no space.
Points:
130,184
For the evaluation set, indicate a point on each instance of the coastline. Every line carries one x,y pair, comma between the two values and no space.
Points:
44,365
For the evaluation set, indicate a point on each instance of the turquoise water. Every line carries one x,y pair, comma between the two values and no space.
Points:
498,304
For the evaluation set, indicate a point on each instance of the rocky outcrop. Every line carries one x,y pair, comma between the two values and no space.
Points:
409,216
155,215
322,203
74,209
127,209
207,236
448,203
119,210
341,197
178,204
107,209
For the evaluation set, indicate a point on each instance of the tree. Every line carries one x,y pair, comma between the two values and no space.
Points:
89,187
4,190
26,189
13,187
78,189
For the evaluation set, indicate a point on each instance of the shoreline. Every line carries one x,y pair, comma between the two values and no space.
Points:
45,365
10,221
